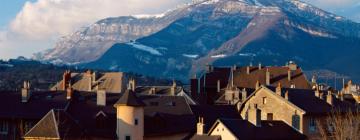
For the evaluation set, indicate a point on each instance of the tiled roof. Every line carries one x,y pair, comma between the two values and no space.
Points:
269,130
129,98
277,75
111,82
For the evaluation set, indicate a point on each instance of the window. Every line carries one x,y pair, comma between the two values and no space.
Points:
270,116
296,121
127,138
136,121
312,125
264,100
4,127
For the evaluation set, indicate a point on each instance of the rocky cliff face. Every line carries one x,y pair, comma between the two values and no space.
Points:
228,32
89,43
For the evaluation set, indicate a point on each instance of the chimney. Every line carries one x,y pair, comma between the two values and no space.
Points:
94,77
132,84
317,93
329,98
321,96
218,86
287,95
248,70
101,97
257,85
209,68
260,66
194,87
243,94
278,89
152,91
173,88
292,85
90,84
200,126
267,77
66,79
25,92
289,75
236,95
69,92
254,116
292,65
313,79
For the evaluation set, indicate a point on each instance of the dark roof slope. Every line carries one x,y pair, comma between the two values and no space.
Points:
38,105
211,113
175,105
307,101
129,98
269,130
205,137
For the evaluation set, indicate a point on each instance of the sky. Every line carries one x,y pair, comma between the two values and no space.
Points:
30,26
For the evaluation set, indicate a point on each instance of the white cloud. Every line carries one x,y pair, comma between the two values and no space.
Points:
44,18
40,23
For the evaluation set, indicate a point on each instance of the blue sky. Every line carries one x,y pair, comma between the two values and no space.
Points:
29,26
9,9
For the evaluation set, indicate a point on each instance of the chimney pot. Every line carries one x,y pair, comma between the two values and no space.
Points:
173,88
278,89
289,75
257,85
248,70
218,86
268,77
329,98
287,95
25,92
101,97
200,126
244,94
69,93
260,66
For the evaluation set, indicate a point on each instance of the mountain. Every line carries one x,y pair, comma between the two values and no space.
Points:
90,43
228,32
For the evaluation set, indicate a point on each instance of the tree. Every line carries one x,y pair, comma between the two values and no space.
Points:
340,126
